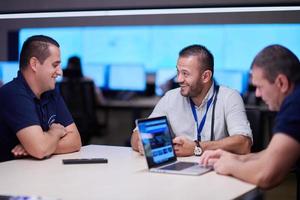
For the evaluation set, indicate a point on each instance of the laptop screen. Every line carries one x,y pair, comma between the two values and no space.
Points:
157,141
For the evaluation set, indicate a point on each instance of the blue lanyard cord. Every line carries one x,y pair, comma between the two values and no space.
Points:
201,125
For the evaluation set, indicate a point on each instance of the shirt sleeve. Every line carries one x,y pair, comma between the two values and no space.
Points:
288,119
235,115
160,108
18,111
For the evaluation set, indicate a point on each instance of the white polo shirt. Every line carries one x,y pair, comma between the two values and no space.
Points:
230,115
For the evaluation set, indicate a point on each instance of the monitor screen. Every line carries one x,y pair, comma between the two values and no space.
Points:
127,77
95,71
69,39
153,46
157,140
9,71
233,79
162,77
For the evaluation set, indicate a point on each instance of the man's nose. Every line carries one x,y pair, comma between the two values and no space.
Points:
179,78
59,71
257,93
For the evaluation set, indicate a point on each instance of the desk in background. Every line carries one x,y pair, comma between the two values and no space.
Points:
137,107
124,177
136,103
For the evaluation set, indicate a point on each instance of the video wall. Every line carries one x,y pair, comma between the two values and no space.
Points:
154,49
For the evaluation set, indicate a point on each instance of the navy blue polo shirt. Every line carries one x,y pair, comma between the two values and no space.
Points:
288,122
20,108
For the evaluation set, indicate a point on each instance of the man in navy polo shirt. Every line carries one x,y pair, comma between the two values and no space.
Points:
276,75
34,120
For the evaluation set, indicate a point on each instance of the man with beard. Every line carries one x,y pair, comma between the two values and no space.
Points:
202,114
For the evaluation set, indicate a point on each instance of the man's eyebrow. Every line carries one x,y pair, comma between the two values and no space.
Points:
57,62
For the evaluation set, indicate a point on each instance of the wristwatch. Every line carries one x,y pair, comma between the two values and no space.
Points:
197,150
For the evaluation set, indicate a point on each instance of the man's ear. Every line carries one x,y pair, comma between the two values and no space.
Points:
33,63
282,83
206,76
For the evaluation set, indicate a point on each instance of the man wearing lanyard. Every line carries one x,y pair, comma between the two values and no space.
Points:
202,114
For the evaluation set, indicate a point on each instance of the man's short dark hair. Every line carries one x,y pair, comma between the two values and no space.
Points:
206,59
36,46
275,60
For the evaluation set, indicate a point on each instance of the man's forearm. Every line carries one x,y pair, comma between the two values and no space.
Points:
251,171
250,156
257,170
236,144
46,146
71,142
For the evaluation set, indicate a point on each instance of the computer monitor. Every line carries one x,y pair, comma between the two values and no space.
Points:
8,70
127,77
162,76
95,71
232,79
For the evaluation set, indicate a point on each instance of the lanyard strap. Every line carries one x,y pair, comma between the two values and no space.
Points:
201,125
212,135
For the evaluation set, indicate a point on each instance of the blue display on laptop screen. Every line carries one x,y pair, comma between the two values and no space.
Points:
9,71
126,77
156,140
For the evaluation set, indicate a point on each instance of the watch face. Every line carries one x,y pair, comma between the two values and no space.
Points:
197,151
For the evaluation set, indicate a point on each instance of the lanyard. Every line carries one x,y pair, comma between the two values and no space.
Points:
201,125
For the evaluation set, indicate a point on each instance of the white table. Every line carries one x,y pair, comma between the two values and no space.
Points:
125,176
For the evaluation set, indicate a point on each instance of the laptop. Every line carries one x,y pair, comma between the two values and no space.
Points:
156,136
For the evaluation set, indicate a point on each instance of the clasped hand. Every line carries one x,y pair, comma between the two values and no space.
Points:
58,129
183,146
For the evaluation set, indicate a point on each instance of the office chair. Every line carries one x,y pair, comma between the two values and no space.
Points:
79,96
255,118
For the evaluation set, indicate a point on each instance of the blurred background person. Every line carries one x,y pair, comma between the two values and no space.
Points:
74,71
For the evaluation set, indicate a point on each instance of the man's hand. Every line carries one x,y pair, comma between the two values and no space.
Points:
209,157
141,148
57,129
139,142
222,161
183,146
19,151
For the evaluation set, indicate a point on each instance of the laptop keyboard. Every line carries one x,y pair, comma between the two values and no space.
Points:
179,166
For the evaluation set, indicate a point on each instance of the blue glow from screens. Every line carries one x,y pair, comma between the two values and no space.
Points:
69,39
95,71
161,78
155,47
9,71
127,77
233,79
157,140
120,44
